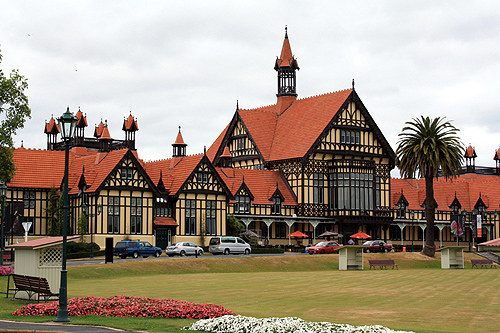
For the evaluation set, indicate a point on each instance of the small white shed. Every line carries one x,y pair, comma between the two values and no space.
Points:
41,257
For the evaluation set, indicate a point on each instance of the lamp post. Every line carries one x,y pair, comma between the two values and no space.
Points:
85,209
3,193
67,124
412,214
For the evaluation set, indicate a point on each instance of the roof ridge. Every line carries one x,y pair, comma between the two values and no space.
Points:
324,94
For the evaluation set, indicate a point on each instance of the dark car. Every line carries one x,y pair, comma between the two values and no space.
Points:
324,247
134,249
377,246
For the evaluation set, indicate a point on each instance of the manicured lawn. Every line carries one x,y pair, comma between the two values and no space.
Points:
419,296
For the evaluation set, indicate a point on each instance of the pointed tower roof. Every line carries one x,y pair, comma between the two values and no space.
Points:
81,119
179,141
130,124
497,155
470,152
286,58
105,134
98,130
51,127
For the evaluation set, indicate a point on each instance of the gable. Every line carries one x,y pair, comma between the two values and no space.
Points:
204,178
353,130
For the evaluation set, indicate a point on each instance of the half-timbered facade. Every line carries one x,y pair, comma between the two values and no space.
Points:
311,164
328,148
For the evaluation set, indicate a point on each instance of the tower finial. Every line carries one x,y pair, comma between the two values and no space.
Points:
352,84
286,32
179,129
237,105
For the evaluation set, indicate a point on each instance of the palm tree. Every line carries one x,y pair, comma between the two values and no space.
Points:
425,147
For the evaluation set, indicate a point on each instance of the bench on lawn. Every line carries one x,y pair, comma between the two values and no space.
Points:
32,285
382,263
482,263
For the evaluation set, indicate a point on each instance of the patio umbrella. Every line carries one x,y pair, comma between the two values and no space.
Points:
361,235
297,234
250,234
328,234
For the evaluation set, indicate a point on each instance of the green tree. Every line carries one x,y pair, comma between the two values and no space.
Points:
54,213
83,226
14,111
427,146
233,226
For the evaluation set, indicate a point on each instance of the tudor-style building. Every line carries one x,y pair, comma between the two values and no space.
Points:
313,164
329,150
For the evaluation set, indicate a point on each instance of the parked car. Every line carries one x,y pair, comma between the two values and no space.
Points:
134,249
377,246
183,249
324,247
228,245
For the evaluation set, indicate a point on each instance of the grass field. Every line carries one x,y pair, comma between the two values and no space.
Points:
419,296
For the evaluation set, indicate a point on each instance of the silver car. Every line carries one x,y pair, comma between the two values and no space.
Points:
228,245
183,249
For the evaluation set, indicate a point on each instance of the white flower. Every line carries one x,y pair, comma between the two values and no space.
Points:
242,324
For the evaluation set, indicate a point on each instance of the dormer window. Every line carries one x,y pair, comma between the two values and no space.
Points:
401,210
242,205
276,207
240,143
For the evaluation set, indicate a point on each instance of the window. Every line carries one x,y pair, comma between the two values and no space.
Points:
190,224
162,208
318,188
202,177
127,173
29,199
241,143
352,190
401,213
113,215
276,207
211,226
242,204
350,137
136,216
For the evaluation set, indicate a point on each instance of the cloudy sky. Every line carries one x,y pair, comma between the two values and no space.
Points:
186,63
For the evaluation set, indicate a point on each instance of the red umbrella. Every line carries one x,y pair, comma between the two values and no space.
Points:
361,235
297,234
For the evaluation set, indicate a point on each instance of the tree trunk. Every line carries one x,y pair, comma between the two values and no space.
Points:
429,249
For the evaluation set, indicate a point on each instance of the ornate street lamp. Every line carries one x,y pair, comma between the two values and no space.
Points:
85,209
67,125
3,194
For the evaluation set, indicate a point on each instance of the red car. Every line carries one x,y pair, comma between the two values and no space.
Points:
377,246
324,247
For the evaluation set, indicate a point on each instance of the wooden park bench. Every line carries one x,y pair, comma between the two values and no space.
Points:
482,263
382,263
32,285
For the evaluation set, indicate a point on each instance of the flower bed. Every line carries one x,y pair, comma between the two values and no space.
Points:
6,270
127,306
242,324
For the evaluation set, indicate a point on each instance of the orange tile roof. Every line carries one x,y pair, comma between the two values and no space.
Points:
174,171
261,183
179,141
105,134
165,221
271,128
212,151
38,168
468,189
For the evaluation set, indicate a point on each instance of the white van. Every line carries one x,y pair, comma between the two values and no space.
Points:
228,244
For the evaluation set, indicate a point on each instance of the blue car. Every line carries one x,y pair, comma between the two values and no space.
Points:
134,249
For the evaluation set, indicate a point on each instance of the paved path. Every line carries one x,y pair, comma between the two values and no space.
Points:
50,327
